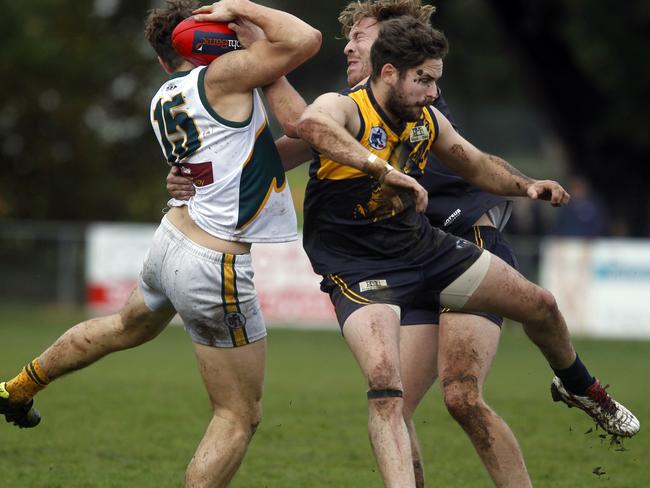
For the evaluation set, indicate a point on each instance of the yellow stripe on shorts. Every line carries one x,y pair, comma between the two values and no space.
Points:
238,337
230,299
478,237
349,294
229,288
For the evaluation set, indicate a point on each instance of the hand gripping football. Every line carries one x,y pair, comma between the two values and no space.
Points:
201,42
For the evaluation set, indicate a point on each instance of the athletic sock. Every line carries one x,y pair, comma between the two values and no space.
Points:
576,378
27,383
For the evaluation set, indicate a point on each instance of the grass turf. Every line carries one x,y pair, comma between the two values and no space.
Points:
134,418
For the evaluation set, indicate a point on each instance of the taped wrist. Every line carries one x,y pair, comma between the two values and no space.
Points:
376,168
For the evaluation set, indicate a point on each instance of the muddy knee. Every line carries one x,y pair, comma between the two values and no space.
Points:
461,395
464,403
384,375
386,402
384,383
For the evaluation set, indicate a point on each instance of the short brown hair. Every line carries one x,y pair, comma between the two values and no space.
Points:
406,42
383,10
160,24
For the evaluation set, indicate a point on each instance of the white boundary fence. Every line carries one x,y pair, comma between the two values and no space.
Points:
287,287
601,285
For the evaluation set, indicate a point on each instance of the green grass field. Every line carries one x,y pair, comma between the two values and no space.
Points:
134,419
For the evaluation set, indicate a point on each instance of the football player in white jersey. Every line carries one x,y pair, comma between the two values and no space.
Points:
211,123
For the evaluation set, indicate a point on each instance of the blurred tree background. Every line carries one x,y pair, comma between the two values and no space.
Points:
556,86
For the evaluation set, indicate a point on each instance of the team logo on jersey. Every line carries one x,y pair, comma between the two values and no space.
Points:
235,320
378,138
419,133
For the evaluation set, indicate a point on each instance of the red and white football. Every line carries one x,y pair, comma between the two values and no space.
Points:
201,42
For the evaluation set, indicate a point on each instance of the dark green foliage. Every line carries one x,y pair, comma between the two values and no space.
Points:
76,142
585,64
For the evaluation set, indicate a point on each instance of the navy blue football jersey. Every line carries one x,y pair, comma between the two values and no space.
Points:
454,204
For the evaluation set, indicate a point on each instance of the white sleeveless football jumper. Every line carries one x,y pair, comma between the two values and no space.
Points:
241,190
241,195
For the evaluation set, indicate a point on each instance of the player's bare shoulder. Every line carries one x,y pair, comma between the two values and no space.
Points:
339,107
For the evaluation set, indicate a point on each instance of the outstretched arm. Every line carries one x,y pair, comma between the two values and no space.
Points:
327,125
287,105
488,172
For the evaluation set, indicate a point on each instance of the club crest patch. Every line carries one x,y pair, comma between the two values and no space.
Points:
235,320
378,138
419,133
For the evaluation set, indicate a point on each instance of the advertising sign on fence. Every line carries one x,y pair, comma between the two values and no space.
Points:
601,285
287,287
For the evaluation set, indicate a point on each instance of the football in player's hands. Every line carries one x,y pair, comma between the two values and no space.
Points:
201,42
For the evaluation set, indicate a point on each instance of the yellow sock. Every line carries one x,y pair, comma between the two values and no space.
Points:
28,383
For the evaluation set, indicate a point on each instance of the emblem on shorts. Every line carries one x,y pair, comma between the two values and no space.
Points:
419,133
371,285
235,320
461,243
378,138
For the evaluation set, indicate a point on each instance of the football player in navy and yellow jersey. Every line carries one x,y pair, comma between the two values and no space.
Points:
428,351
381,258
210,121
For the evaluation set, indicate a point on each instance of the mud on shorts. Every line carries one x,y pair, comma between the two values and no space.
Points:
412,286
212,292
486,237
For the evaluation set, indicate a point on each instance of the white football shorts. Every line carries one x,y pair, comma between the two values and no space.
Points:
212,292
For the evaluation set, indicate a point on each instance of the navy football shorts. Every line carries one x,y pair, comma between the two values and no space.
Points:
413,285
486,237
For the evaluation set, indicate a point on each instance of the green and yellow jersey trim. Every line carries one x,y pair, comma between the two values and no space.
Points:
212,112
262,174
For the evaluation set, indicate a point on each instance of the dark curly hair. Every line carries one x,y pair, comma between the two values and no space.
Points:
160,24
406,42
